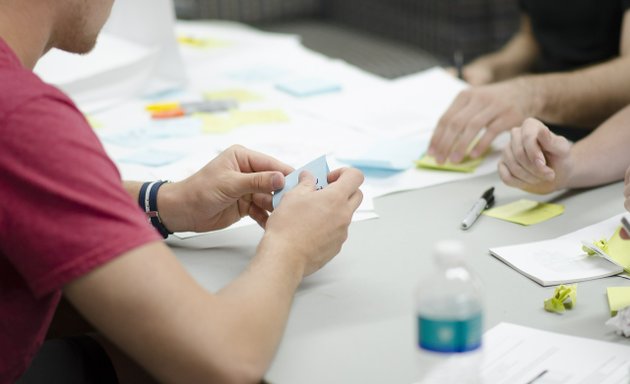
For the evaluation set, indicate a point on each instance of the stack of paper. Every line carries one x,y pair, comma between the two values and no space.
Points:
562,260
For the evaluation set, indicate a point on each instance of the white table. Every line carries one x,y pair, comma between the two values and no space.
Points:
352,322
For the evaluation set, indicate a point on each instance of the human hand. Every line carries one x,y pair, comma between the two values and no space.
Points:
494,108
235,184
474,74
313,224
536,160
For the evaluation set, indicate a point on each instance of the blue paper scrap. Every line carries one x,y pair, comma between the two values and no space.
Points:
258,74
318,168
390,155
152,157
308,86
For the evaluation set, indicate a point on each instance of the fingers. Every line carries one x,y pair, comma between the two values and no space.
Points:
259,215
527,152
444,125
355,200
306,183
252,161
263,200
470,131
515,167
259,182
551,143
346,180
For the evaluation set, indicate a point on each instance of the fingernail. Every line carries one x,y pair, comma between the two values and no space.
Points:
277,181
456,157
431,152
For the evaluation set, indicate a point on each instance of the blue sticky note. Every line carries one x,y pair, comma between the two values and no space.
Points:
390,155
318,168
308,86
258,74
152,157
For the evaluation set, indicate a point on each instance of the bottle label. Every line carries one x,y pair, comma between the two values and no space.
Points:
448,336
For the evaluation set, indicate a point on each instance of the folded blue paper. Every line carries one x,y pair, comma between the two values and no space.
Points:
390,155
318,168
308,86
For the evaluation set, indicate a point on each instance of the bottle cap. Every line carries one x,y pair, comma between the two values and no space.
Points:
449,252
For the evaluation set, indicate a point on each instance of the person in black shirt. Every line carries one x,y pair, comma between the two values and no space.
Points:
569,66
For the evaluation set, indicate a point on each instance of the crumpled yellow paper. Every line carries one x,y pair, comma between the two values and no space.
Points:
564,298
616,248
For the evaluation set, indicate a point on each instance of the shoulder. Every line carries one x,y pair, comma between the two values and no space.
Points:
21,87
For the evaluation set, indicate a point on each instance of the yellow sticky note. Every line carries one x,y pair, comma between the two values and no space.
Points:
618,298
467,165
201,42
619,250
525,212
564,297
240,95
224,122
259,117
216,124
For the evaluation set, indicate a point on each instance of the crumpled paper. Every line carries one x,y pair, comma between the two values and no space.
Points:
564,298
621,322
601,244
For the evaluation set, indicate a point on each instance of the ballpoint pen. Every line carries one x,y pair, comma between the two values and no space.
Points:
485,201
458,60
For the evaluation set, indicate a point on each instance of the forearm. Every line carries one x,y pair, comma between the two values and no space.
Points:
603,156
516,57
148,305
582,98
132,188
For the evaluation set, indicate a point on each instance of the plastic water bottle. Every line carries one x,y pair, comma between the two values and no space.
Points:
449,319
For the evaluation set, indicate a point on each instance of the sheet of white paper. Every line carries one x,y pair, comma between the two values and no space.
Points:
562,260
515,354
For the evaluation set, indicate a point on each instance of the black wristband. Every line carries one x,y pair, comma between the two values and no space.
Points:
148,202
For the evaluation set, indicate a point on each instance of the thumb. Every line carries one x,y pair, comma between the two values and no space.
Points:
259,182
553,144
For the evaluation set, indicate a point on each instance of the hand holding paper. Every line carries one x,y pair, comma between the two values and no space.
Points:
318,168
314,223
235,184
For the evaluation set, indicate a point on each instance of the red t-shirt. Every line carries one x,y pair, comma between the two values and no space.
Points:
63,209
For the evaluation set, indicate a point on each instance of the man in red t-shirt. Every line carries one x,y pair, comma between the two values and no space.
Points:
69,228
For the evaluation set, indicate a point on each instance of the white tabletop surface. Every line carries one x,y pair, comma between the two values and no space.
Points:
352,322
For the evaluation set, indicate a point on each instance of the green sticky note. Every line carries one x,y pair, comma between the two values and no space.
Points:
467,165
618,298
237,94
525,212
